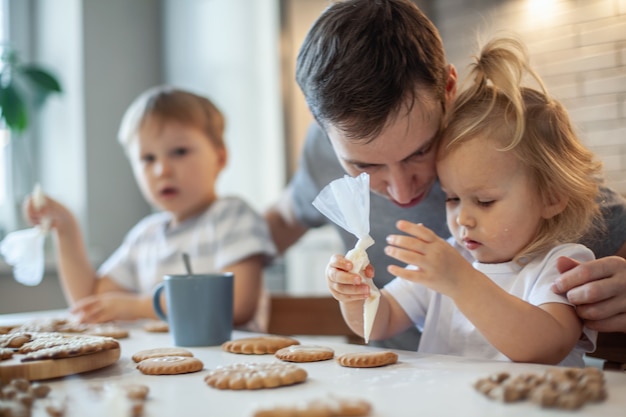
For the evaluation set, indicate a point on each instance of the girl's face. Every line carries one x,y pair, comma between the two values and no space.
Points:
492,208
176,167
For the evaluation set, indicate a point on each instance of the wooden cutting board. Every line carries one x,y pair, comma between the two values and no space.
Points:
55,368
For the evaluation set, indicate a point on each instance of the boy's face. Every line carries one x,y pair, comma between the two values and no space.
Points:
176,167
400,160
492,208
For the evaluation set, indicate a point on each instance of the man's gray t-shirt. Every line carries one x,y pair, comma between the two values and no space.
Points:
319,166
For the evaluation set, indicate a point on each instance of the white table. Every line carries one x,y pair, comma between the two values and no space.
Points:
418,385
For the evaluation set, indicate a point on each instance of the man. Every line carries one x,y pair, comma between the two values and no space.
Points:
375,78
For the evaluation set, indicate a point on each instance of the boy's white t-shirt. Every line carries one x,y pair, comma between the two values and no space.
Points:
445,330
227,232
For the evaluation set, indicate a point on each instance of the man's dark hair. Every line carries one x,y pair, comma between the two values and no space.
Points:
363,59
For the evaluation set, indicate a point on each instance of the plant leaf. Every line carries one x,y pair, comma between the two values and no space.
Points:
13,109
41,78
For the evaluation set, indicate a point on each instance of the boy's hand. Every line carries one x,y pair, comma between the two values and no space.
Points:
57,214
107,307
344,285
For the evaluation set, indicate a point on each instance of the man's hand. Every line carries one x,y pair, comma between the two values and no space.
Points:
597,289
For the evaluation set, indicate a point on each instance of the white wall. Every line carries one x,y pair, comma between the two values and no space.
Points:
578,47
229,51
105,53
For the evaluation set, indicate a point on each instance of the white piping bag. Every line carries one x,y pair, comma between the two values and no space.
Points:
24,249
346,201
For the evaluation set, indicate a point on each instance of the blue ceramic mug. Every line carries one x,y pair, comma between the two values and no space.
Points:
199,308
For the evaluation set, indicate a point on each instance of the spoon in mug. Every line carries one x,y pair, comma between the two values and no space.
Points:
187,263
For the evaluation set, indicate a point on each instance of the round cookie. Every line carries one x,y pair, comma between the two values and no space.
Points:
170,365
160,352
260,345
367,359
252,376
305,353
107,330
156,327
332,407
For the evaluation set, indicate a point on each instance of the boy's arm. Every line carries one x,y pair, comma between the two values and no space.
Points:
284,227
78,277
247,287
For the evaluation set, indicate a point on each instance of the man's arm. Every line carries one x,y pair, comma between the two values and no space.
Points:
284,227
598,289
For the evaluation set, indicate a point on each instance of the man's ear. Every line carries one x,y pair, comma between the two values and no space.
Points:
451,85
555,205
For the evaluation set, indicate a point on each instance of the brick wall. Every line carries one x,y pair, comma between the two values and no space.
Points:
579,49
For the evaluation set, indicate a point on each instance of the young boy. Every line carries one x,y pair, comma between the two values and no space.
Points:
174,142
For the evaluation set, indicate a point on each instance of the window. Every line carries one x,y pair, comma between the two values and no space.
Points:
17,165
4,134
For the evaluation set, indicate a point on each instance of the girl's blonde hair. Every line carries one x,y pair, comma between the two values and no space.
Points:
164,104
537,129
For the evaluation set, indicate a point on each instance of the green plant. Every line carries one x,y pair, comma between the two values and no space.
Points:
23,87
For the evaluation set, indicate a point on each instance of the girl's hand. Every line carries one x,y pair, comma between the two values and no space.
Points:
346,286
439,266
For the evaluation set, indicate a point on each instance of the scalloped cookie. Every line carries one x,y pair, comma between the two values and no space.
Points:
367,359
305,353
260,345
160,352
326,407
170,365
240,376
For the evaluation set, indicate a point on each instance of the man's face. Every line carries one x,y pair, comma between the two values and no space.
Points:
401,159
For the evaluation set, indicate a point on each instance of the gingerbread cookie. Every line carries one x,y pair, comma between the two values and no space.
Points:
331,407
14,340
108,330
160,352
565,388
258,345
304,353
156,327
57,345
241,376
170,365
367,359
6,353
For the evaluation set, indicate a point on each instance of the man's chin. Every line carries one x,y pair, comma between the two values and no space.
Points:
411,203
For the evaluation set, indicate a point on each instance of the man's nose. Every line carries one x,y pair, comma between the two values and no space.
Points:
401,185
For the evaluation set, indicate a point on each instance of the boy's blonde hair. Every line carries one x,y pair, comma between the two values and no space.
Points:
168,104
537,129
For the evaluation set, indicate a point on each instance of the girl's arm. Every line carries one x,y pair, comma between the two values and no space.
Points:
347,288
518,329
521,331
